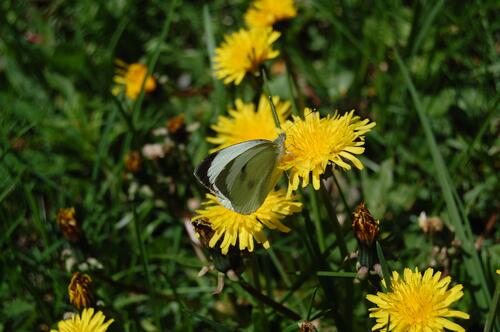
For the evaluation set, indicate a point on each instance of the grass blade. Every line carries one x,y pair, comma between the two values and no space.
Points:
473,262
493,313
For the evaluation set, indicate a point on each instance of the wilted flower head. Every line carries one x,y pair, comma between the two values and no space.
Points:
245,122
66,219
203,230
313,143
242,53
233,227
133,161
79,290
366,228
86,322
130,77
417,303
264,13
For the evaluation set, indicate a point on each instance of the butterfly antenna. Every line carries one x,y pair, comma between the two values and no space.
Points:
267,91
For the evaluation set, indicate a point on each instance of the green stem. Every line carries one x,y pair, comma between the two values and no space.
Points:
317,219
325,195
347,208
145,263
268,301
493,312
267,91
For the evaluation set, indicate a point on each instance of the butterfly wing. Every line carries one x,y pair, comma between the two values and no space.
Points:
214,165
241,175
250,177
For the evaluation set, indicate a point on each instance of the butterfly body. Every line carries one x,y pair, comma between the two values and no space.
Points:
243,174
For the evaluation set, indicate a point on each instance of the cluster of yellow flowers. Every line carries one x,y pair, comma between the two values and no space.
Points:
416,302
312,143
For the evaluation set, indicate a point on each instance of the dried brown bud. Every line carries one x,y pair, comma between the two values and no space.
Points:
133,161
203,230
366,228
79,290
175,124
66,219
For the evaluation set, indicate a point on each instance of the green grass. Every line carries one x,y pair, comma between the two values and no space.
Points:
426,72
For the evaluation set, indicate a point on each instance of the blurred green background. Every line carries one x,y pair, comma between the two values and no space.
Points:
64,138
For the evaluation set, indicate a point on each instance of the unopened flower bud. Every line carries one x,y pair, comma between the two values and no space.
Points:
66,219
366,228
79,290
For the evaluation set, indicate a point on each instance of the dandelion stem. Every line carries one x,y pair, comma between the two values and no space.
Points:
317,219
337,228
268,301
347,208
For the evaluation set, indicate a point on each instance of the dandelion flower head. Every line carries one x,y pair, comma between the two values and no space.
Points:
245,123
86,322
79,290
130,77
243,52
264,13
417,302
313,143
234,228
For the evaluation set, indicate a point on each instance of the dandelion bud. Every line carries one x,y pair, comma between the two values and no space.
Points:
233,260
79,291
66,219
366,228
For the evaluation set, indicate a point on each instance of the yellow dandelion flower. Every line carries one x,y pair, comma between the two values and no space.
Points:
245,123
233,227
417,303
86,322
130,78
80,294
243,52
264,13
313,143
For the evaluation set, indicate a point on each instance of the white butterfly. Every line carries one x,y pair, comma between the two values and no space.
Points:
243,174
